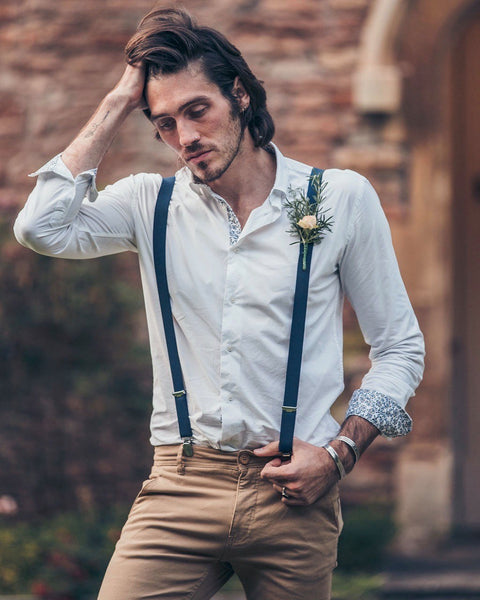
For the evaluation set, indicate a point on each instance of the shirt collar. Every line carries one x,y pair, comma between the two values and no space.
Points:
281,184
185,176
279,190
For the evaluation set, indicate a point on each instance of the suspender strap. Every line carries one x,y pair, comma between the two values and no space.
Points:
159,255
297,332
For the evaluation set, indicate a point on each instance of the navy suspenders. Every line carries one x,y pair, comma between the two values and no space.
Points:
297,330
159,256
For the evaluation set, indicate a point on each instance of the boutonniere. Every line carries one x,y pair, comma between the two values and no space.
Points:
307,219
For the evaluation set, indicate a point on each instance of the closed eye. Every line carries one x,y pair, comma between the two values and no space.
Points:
165,124
197,112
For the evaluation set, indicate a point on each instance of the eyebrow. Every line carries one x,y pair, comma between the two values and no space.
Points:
196,100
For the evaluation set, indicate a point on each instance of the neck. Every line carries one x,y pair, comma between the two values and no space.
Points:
248,181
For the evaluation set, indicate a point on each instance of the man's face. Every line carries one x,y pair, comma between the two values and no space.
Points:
195,119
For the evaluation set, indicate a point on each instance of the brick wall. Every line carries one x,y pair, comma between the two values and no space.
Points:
59,59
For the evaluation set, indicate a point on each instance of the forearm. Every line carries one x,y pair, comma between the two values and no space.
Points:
89,147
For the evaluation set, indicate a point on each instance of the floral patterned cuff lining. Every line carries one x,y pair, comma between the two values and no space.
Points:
51,165
380,410
84,180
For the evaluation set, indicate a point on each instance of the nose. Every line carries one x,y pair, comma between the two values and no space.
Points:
187,133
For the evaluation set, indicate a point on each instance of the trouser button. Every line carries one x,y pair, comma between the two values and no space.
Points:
244,458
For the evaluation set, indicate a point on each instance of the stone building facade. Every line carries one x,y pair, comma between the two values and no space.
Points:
385,87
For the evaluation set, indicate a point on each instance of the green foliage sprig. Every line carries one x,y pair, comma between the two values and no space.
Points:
307,219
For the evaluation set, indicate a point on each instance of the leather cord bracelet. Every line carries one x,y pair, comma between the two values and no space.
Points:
336,460
352,445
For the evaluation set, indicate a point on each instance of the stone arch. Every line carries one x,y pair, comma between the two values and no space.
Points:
404,72
383,63
377,82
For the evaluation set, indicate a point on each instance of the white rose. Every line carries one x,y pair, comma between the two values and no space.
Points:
308,222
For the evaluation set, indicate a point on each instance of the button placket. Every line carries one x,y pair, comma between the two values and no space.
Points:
229,368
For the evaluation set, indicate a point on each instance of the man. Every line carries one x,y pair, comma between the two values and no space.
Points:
234,503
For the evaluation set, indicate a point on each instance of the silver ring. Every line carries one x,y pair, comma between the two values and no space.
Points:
284,492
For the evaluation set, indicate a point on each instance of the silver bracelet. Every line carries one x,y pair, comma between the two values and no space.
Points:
352,445
336,460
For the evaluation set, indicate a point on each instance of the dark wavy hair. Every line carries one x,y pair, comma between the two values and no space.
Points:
167,40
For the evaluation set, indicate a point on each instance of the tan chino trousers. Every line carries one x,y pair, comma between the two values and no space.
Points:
197,520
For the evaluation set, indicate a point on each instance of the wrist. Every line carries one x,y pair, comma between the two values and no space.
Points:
336,461
129,91
120,101
344,454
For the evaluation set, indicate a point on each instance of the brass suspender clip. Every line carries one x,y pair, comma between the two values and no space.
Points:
187,447
287,409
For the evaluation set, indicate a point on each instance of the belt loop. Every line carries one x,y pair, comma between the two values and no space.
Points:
180,461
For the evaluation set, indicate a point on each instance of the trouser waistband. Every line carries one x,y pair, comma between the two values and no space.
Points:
202,455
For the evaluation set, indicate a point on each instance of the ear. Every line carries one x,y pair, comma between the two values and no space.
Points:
240,94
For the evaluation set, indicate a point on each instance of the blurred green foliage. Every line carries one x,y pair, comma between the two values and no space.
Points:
367,533
63,558
75,380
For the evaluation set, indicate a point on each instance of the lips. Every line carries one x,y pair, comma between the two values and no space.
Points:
198,157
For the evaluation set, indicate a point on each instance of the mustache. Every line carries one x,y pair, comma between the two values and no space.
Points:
193,148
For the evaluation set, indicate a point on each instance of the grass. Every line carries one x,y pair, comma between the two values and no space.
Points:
358,586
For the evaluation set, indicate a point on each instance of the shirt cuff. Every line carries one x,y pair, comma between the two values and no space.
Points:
85,180
380,410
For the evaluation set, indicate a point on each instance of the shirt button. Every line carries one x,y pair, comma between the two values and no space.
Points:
229,348
233,300
236,249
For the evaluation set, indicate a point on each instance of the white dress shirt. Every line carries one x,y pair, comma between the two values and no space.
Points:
232,298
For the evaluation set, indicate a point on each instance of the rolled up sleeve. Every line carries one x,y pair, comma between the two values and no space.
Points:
371,279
